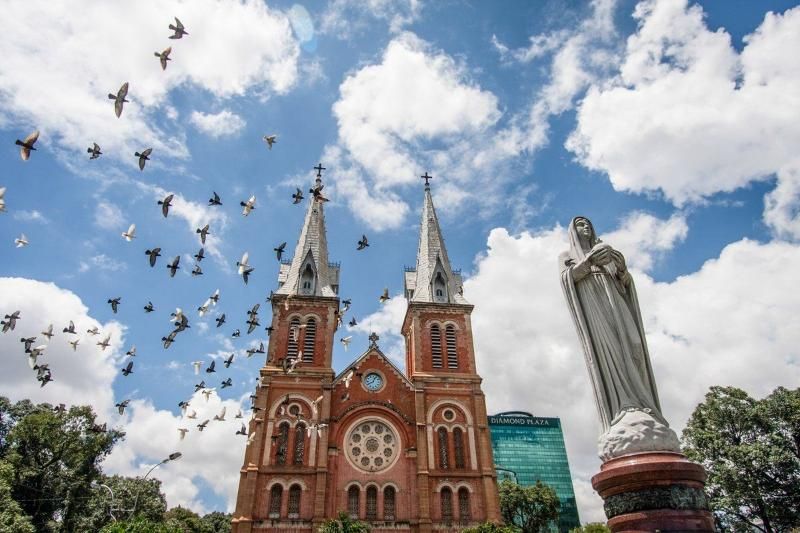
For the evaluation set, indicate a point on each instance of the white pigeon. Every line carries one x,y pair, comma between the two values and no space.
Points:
207,392
270,140
105,342
347,379
74,344
197,365
249,205
21,241
192,415
239,414
94,331
315,403
48,332
35,353
346,341
183,432
251,438
243,263
221,415
2,199
203,309
177,315
131,233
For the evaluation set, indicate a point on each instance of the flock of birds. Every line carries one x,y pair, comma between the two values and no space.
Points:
178,319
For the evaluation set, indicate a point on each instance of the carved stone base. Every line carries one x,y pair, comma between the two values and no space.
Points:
656,491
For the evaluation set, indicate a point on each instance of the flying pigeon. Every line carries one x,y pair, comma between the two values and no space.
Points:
242,264
220,320
94,150
201,385
298,196
149,307
21,241
192,415
182,432
235,333
199,256
144,156
203,233
252,324
210,368
238,414
119,98
246,274
121,406
183,404
197,365
165,204
279,250
173,266
214,297
45,379
346,341
164,57
2,199
207,392
74,344
93,331
202,425
227,383
352,322
315,403
128,369
363,243
385,296
269,329
347,378
221,415
131,233
197,271
290,363
131,352
178,28
227,362
34,354
177,315
27,145
248,206
70,328
114,302
270,140
154,254
317,192
260,348
215,200
181,324
169,339
253,310
103,344
48,332
203,309
10,321
242,430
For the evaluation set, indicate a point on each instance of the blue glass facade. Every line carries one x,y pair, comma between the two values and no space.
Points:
529,448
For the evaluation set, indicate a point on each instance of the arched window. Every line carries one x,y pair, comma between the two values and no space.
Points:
439,288
372,503
458,447
307,280
275,496
308,340
353,497
443,459
450,340
299,444
464,511
388,503
446,497
282,446
294,501
291,350
436,346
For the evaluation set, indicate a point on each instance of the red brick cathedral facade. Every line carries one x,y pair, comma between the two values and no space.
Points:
402,450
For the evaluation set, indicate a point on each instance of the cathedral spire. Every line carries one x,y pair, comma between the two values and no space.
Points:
433,281
309,272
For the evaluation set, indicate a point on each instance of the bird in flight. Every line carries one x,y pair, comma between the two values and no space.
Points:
192,415
48,332
121,406
93,331
203,232
173,266
363,243
227,362
215,200
10,321
103,344
214,297
95,151
21,241
26,145
199,256
144,156
244,268
202,425
347,378
149,307
163,57
182,432
270,140
154,254
128,369
114,302
346,341
317,192
131,233
203,309
221,415
211,368
197,365
28,342
385,296
178,28
298,196
242,430
70,328
119,98
235,333
74,344
207,392
279,250
131,352
352,322
197,271
165,204
2,199
248,206
169,339
220,320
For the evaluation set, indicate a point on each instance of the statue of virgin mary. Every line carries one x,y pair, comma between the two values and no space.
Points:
602,299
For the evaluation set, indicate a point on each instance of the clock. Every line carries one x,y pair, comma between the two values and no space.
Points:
373,381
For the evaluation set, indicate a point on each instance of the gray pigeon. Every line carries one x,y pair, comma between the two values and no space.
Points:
119,98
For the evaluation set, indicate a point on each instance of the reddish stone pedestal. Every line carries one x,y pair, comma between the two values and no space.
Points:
658,491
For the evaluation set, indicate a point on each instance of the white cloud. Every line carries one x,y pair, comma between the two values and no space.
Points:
530,359
108,216
345,18
387,322
233,47
101,262
647,236
30,216
224,123
689,116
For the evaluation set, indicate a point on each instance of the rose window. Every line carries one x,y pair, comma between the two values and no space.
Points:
372,445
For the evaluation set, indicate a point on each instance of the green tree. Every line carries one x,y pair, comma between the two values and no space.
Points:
186,521
218,522
751,451
530,508
140,525
143,494
344,524
54,457
12,518
592,527
490,527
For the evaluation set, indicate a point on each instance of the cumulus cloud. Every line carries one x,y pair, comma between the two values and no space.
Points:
217,125
688,116
345,18
707,328
108,216
387,322
233,47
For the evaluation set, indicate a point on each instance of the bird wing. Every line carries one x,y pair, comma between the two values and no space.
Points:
131,230
123,91
32,138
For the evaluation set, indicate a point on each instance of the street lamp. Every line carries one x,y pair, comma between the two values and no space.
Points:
111,506
172,457
507,473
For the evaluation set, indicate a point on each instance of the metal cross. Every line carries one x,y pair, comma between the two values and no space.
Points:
373,340
319,168
426,178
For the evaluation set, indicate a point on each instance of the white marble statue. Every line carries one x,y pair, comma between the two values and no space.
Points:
602,300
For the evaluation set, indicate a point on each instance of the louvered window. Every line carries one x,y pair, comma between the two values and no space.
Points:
282,444
275,496
308,340
388,503
291,351
464,511
294,501
299,444
450,339
446,497
443,459
353,497
436,346
372,503
458,447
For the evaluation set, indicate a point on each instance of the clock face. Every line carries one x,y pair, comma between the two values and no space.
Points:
373,381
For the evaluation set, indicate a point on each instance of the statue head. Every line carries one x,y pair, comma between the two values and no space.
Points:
582,236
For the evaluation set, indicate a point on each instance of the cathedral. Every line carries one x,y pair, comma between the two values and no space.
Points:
402,450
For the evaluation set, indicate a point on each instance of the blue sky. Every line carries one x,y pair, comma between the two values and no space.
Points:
672,125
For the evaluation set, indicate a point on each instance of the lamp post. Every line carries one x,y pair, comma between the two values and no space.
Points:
111,506
507,473
172,457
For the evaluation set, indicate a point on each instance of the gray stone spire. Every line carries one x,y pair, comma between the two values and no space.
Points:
309,272
433,281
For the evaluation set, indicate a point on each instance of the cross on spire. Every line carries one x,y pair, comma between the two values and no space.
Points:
426,178
319,168
373,340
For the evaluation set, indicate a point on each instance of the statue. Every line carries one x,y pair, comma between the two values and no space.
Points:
602,299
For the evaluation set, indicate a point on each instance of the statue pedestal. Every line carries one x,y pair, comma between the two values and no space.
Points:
654,491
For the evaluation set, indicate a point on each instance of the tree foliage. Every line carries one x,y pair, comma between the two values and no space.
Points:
530,508
132,497
751,451
592,527
344,524
12,518
140,525
491,527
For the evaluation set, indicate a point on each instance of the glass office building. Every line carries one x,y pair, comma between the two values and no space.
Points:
527,449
